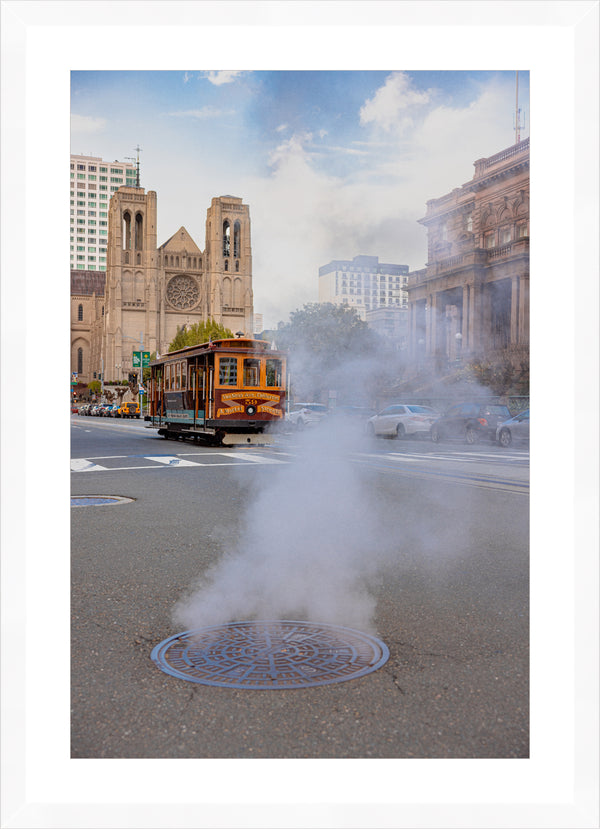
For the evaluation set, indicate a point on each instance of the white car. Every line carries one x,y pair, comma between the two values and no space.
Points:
303,414
401,420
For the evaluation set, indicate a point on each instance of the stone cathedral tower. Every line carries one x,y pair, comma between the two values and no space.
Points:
151,291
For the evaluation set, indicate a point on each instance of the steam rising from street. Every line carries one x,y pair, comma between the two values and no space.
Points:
310,548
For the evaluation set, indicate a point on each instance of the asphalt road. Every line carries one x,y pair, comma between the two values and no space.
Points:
444,531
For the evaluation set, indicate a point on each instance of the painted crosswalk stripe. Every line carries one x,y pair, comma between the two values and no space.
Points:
171,460
84,465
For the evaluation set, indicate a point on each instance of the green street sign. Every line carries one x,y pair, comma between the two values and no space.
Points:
141,358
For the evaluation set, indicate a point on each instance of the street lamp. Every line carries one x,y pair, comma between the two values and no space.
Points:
458,337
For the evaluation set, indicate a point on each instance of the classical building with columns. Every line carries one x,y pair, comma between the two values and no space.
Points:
151,291
471,301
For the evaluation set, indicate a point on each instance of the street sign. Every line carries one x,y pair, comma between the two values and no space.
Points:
141,359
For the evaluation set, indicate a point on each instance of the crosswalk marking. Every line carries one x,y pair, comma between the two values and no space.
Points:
84,465
171,460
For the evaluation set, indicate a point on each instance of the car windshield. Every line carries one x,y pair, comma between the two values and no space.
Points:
420,409
497,410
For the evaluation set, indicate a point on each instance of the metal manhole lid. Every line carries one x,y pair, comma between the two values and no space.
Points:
98,500
270,654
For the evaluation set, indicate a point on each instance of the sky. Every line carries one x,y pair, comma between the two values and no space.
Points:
333,164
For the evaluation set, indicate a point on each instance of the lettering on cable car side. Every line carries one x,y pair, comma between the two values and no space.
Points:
252,398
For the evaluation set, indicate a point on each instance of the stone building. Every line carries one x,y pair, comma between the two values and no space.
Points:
152,291
471,301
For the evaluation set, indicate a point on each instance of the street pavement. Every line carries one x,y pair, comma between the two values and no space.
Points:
450,600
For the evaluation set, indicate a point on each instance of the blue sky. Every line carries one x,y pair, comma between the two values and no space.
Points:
332,163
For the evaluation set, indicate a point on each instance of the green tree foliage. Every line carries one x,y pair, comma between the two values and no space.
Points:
329,348
199,332
95,386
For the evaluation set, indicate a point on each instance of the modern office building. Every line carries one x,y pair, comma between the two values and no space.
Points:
364,283
93,182
471,301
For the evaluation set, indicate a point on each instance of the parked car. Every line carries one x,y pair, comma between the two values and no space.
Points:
74,409
515,429
303,414
83,409
129,410
400,420
108,409
469,422
95,410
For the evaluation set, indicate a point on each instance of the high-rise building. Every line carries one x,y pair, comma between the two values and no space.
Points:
93,182
364,283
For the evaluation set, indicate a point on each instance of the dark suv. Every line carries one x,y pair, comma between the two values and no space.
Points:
469,422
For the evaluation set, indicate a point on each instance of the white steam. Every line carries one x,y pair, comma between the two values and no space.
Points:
310,547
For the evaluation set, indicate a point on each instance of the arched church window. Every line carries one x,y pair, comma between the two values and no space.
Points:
226,238
126,230
139,227
227,264
237,265
80,360
236,239
139,259
177,261
80,313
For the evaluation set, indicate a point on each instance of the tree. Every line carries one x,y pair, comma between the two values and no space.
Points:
330,348
199,332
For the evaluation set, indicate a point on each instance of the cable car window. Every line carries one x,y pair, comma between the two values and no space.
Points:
251,372
177,376
228,371
274,372
183,375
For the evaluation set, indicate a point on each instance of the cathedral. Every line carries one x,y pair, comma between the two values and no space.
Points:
149,292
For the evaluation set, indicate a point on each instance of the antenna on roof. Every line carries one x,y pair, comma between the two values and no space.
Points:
137,165
518,124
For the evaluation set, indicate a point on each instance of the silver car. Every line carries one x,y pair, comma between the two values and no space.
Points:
303,414
517,429
401,420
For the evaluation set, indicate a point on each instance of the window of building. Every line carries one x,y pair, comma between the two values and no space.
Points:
506,234
92,168
91,178
81,166
91,250
80,359
81,258
116,170
80,267
103,187
522,230
103,169
490,240
80,313
91,212
81,248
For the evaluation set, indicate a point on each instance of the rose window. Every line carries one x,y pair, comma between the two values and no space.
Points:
182,292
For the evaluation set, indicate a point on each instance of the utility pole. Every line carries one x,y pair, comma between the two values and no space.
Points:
138,149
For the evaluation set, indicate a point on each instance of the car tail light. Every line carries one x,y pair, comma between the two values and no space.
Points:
483,421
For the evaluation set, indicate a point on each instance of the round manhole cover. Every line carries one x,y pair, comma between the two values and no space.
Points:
270,654
98,500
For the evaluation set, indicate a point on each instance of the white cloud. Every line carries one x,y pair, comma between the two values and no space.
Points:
201,114
225,76
85,124
388,107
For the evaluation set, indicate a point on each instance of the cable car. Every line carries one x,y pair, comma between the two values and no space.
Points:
226,392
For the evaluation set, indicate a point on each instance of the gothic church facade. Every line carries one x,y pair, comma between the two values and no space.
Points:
151,291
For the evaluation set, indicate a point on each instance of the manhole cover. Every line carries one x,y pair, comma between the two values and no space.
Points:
272,654
98,500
